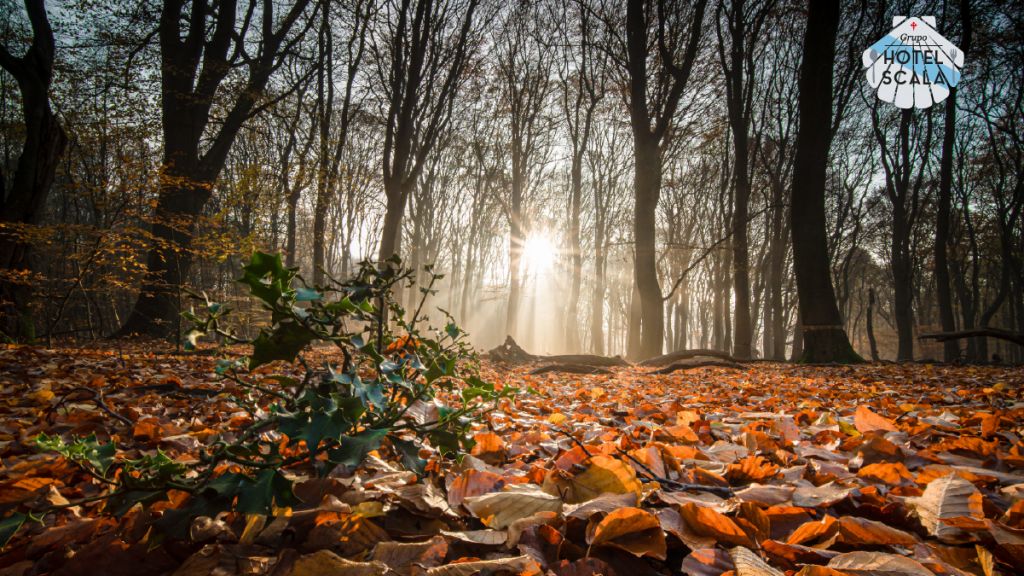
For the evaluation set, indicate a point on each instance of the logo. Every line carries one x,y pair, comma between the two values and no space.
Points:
913,66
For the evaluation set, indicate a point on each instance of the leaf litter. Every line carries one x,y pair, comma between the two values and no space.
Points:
764,470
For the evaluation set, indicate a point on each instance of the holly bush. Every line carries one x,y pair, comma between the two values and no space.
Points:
397,387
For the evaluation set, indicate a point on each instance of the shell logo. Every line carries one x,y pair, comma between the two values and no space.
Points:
913,66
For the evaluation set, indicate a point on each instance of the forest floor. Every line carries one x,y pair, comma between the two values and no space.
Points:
767,469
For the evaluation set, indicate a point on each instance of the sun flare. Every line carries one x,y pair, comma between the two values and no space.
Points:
538,253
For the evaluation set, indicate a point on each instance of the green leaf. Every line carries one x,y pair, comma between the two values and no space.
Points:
267,277
191,339
283,343
371,393
354,449
307,295
9,526
444,440
101,456
120,504
410,452
270,488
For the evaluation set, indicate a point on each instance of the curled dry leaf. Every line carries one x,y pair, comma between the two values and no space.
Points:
324,562
948,497
500,509
864,420
750,564
634,530
877,564
514,565
707,522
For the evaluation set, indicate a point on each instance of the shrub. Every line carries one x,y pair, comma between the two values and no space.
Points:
390,370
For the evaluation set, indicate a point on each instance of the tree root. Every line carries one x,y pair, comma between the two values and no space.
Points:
696,363
569,369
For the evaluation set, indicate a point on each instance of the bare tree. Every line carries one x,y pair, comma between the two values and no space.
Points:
738,54
664,36
422,61
824,337
195,61
44,143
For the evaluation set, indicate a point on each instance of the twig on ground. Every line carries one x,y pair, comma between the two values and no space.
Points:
97,398
674,486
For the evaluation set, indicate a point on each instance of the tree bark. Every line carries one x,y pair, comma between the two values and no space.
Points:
824,338
37,164
647,148
193,66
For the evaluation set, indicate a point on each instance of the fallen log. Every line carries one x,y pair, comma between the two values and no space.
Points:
691,363
586,359
511,352
666,359
569,369
1015,337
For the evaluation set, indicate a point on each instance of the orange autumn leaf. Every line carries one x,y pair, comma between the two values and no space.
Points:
473,483
814,531
601,475
631,529
890,473
864,420
402,343
751,469
707,522
489,447
857,531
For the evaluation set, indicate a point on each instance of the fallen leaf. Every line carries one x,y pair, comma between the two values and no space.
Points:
948,497
867,421
500,509
877,564
634,530
325,562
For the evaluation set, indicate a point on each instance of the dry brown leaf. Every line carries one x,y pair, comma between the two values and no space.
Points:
891,473
327,563
707,562
479,537
634,530
878,564
948,497
517,564
857,531
672,523
866,421
707,522
811,570
407,558
814,530
489,447
750,564
500,509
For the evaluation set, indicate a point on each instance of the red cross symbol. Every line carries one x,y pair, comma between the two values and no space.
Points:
913,25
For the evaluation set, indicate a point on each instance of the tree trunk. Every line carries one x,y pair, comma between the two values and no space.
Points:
194,63
824,337
647,185
943,293
572,320
871,325
597,298
37,164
